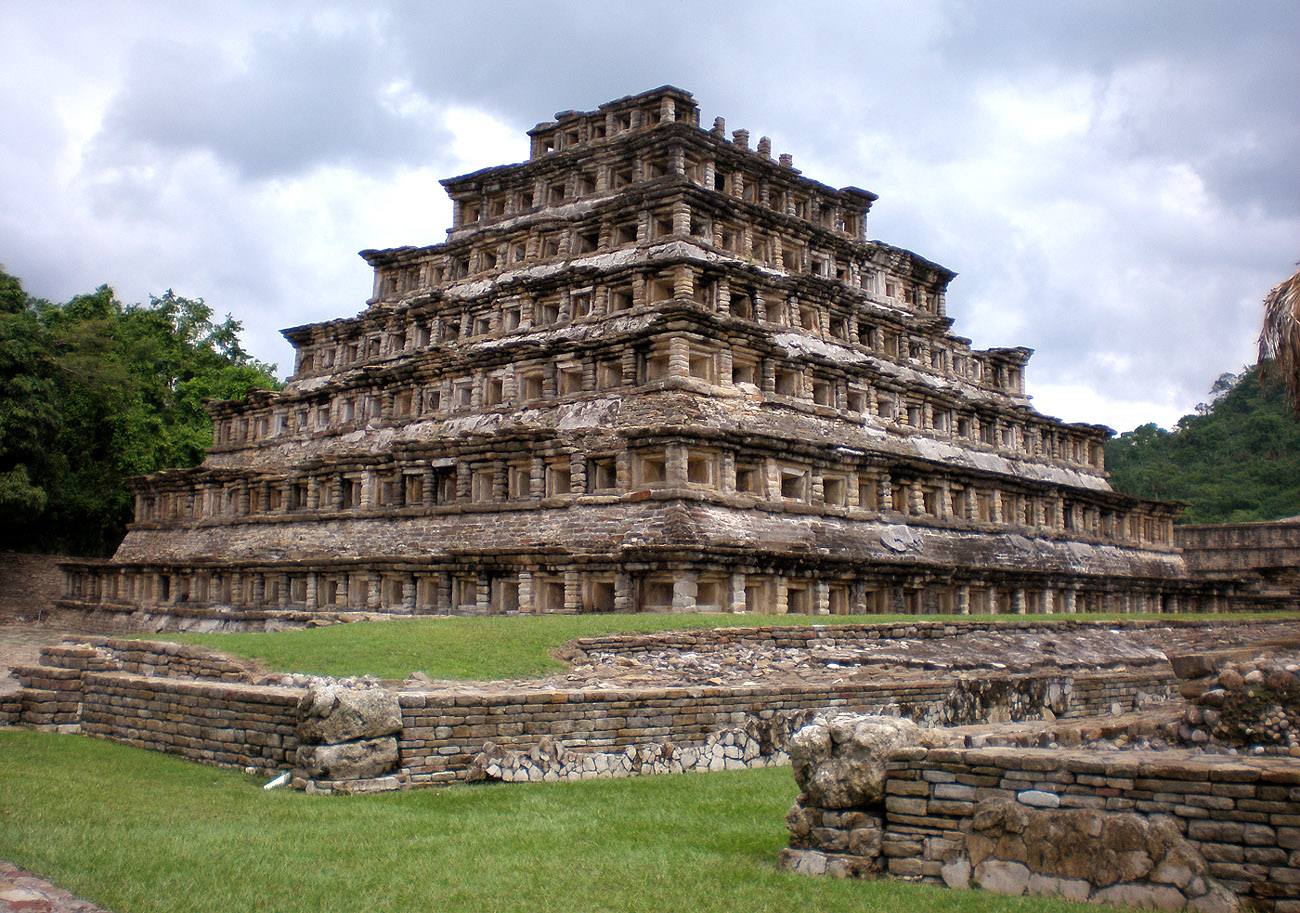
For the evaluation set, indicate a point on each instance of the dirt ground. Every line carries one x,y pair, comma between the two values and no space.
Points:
20,644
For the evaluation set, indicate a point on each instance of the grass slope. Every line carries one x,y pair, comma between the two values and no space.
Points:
504,646
140,832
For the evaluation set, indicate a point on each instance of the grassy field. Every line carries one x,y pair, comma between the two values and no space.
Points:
502,646
140,832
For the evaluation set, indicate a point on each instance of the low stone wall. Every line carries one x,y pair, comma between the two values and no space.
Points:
442,734
185,700
1243,817
138,657
1171,830
233,725
172,660
849,636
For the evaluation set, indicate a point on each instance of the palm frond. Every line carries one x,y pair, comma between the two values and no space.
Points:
1279,340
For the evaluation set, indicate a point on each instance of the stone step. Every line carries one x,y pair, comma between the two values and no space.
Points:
70,656
48,678
43,707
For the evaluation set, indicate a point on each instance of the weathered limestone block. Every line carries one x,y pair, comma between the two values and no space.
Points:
350,760
1119,858
335,713
801,862
839,760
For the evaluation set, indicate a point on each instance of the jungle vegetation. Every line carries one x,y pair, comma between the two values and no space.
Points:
94,391
1237,459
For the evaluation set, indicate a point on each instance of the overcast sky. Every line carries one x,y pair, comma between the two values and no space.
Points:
1117,184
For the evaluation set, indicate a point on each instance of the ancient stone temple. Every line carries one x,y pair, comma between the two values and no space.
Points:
653,368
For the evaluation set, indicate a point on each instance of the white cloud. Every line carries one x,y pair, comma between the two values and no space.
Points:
1114,183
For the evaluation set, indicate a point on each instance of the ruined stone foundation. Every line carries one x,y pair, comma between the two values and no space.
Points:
1171,830
651,369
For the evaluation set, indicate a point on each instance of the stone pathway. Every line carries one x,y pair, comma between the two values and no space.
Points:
24,893
20,645
963,655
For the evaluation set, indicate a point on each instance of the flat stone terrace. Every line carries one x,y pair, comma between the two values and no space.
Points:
831,655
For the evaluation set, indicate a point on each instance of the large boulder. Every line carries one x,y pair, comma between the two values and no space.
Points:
333,713
349,761
839,760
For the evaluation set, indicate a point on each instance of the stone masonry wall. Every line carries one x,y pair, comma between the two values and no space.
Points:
115,689
805,636
1244,818
29,585
442,733
1136,828
233,725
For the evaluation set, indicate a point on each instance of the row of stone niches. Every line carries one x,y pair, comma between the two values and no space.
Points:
737,478
575,129
515,192
590,131
678,362
675,364
773,246
538,590
845,318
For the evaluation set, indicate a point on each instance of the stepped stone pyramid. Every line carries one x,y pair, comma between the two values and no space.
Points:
651,369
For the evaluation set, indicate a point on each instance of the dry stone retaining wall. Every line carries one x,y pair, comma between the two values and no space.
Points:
1172,830
233,725
443,733
804,636
182,699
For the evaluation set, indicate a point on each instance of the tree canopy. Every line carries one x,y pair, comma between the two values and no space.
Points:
1236,460
94,391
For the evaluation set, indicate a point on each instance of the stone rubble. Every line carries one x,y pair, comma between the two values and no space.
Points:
1250,702
549,760
22,892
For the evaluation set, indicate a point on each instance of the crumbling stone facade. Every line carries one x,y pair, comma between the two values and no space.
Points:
651,369
1262,559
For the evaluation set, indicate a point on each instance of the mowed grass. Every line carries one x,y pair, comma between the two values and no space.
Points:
510,646
141,832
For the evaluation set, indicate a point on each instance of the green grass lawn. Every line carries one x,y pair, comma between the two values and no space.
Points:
503,646
137,831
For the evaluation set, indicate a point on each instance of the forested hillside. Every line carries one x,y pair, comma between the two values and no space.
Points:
93,391
1236,460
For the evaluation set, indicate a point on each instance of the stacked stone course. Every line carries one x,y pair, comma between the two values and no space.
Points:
1171,830
184,699
231,725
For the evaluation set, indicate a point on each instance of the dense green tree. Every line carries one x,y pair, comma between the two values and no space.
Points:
1237,459
92,392
28,391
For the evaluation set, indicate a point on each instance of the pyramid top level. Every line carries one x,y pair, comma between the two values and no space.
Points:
664,125
666,104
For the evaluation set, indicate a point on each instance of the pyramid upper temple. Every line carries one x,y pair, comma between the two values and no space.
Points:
651,369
